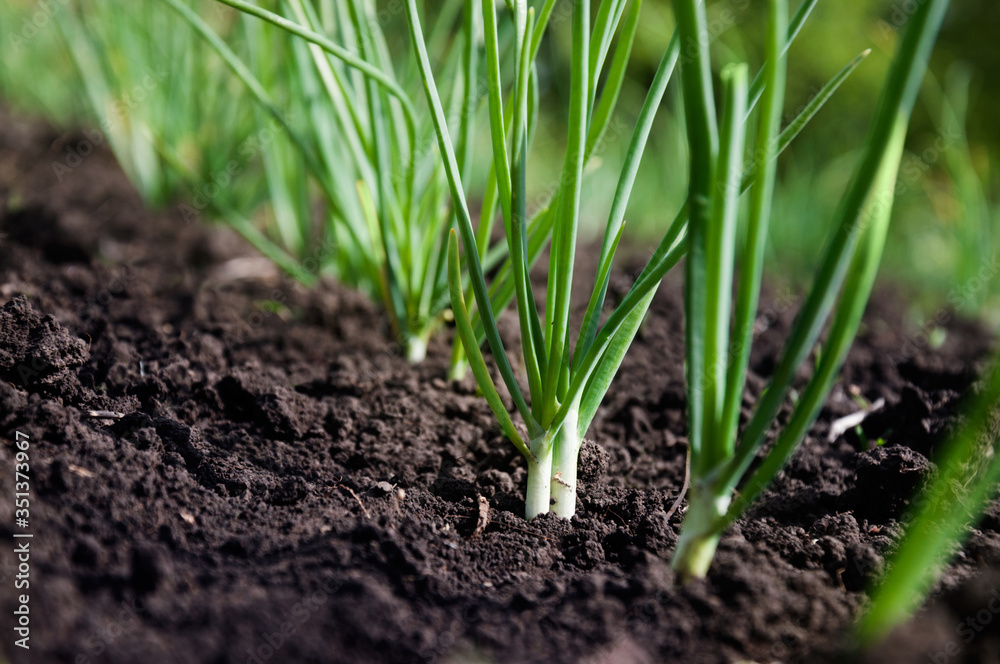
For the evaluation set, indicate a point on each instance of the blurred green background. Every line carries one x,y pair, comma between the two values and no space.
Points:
88,64
945,234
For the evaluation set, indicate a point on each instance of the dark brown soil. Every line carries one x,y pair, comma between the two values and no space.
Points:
282,486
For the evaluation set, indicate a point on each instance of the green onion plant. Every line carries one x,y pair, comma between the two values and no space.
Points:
607,58
561,408
180,125
719,331
355,167
566,382
167,108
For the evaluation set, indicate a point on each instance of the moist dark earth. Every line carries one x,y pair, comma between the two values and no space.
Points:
228,468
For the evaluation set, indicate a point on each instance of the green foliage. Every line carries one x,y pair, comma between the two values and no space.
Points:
153,90
35,68
944,162
350,133
567,382
155,115
564,393
181,126
966,483
717,364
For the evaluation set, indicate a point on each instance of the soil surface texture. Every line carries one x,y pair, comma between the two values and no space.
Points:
227,468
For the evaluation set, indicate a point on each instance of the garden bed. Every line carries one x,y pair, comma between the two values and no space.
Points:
228,468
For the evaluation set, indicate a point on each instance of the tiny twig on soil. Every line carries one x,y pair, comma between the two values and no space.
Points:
844,424
501,523
397,498
483,519
528,532
349,490
611,511
684,488
103,414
